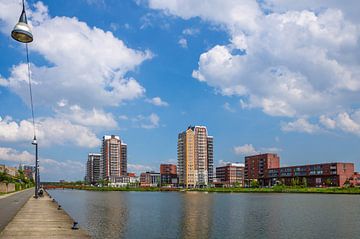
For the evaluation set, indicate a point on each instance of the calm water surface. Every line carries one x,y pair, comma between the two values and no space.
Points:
212,215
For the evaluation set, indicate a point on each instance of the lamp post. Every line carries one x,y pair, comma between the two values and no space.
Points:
22,33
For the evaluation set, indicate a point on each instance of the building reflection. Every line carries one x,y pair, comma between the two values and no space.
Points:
108,215
197,217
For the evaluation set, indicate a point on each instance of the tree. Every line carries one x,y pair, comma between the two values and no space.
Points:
328,182
254,184
304,181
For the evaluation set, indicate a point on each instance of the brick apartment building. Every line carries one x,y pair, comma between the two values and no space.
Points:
168,174
150,179
230,174
257,165
266,170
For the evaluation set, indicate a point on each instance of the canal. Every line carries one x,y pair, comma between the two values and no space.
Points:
212,215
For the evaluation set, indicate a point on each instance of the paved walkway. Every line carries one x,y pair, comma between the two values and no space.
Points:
11,203
39,218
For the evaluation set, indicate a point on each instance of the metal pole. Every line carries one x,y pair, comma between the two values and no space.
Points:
36,168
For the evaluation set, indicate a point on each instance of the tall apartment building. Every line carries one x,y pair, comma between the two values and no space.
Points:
113,157
93,168
195,157
230,174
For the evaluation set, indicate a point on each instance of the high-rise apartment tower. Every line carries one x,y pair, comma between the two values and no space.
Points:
114,157
93,168
195,157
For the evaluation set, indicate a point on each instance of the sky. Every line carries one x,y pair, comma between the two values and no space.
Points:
279,76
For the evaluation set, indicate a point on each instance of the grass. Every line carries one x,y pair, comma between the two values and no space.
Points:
276,189
284,189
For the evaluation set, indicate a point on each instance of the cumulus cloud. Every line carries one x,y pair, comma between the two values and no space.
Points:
147,122
157,101
183,42
50,131
49,168
139,168
93,117
191,31
295,59
300,125
10,154
228,107
86,65
246,149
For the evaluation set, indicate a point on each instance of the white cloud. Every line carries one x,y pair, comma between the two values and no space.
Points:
183,43
49,168
87,66
3,82
347,124
191,31
228,107
147,122
9,154
94,117
157,101
249,149
300,125
292,61
123,117
327,122
246,149
139,168
50,131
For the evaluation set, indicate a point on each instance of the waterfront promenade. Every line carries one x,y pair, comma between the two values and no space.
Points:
40,218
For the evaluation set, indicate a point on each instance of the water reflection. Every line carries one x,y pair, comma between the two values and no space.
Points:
212,215
197,215
108,215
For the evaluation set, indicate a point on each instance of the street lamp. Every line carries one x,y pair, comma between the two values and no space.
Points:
23,34
22,31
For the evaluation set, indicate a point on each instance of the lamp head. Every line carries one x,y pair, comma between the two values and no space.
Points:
22,31
34,142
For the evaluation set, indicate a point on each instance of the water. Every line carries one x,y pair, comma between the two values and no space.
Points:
212,215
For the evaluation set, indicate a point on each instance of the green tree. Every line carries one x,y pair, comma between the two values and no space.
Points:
254,184
304,181
328,182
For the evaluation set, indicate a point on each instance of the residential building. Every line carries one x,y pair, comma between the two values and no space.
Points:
256,165
265,168
123,181
232,174
195,157
150,179
210,154
355,179
312,175
29,171
168,174
93,168
113,157
12,171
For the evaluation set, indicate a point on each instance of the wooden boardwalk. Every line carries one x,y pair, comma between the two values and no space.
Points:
40,218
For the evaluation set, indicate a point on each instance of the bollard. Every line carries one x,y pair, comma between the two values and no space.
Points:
75,226
59,207
53,200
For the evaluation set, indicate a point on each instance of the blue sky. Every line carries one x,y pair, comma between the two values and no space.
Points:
267,76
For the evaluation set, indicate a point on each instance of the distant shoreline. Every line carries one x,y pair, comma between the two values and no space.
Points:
280,189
